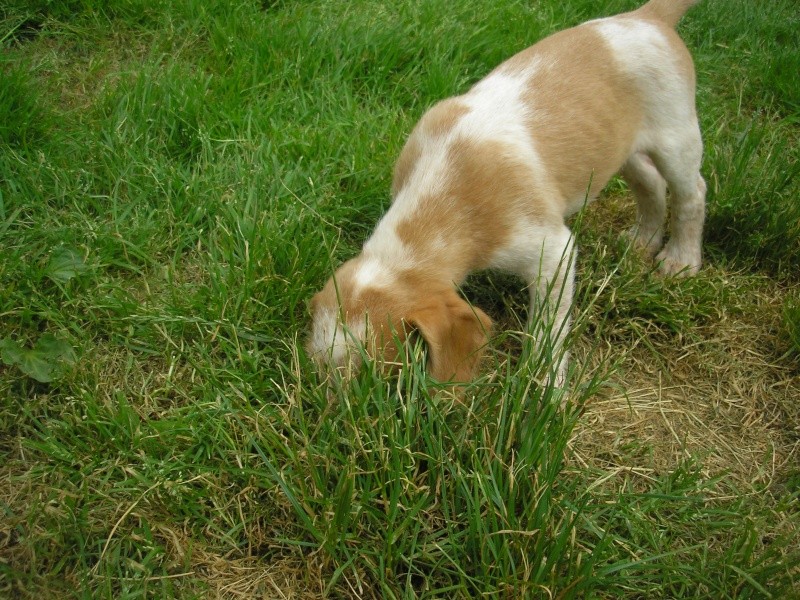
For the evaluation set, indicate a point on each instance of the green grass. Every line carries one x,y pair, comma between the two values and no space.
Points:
792,318
178,178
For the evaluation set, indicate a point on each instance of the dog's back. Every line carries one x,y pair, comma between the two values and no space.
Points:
577,104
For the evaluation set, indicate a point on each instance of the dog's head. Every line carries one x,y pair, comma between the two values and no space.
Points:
365,307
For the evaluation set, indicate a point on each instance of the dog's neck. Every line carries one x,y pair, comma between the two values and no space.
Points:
405,246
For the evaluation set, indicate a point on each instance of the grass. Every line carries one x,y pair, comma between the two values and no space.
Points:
178,178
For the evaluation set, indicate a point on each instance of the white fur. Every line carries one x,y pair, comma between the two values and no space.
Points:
498,110
373,273
333,343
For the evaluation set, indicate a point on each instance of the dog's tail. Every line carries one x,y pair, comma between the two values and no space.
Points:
666,11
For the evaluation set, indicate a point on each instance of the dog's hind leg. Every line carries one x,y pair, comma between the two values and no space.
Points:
679,163
650,191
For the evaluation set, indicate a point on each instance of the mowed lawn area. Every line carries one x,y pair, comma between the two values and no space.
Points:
177,179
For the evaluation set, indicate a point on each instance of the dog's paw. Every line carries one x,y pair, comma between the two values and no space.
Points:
677,260
646,243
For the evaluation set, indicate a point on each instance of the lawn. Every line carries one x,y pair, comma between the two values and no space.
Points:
177,178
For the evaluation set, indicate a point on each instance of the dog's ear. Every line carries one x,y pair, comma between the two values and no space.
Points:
314,303
456,334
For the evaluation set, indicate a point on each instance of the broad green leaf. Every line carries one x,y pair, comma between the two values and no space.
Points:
55,349
44,362
65,264
10,351
38,366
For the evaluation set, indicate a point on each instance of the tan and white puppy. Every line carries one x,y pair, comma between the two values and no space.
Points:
487,179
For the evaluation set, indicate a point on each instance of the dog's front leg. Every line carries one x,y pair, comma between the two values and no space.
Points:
551,284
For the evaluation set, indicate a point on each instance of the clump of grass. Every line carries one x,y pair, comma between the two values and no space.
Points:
409,488
759,60
791,316
163,112
754,178
37,11
686,566
26,121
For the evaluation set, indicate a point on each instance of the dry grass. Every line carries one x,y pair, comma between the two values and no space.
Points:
726,390
284,578
721,394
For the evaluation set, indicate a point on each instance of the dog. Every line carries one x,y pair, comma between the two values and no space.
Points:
487,179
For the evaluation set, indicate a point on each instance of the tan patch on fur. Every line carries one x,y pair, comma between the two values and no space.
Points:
519,62
415,232
408,159
471,218
441,119
586,112
490,183
437,122
455,332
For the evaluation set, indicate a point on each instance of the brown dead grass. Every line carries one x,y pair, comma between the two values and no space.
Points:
284,577
727,394
656,417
